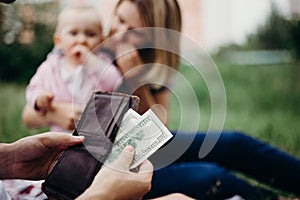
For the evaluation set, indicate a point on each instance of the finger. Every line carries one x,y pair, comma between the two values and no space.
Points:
146,167
77,112
61,140
76,119
50,98
77,108
71,124
125,159
49,102
49,95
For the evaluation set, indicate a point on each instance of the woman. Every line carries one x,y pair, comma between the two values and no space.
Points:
197,178
232,149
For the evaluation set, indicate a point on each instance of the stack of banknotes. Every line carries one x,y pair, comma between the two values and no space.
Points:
146,133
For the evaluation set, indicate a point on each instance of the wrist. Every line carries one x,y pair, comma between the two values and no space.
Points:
50,115
6,161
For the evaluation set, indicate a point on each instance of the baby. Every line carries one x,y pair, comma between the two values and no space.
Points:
76,67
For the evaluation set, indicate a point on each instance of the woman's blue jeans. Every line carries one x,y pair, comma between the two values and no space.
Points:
209,177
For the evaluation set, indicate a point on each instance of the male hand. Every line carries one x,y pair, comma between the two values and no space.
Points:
33,156
115,181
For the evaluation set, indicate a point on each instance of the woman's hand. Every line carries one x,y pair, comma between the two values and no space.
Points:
128,60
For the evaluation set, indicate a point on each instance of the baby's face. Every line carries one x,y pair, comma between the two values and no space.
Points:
80,33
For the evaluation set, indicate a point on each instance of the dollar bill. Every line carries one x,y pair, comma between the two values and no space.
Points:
129,120
146,134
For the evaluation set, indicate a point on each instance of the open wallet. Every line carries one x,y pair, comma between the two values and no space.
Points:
76,168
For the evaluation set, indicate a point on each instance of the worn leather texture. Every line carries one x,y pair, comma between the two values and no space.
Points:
78,165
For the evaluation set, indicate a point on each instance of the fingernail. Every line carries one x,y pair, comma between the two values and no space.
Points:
129,149
81,137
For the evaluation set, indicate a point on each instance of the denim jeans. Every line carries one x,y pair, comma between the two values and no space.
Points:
209,177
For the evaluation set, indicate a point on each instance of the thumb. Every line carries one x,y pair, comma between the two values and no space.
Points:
60,140
50,98
125,159
49,95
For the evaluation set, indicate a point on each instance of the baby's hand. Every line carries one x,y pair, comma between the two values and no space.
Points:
43,102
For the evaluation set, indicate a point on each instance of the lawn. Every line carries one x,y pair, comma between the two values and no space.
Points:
12,100
261,101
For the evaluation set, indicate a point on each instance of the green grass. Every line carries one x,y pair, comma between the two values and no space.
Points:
12,100
262,101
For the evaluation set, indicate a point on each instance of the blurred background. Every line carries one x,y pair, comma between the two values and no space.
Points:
255,45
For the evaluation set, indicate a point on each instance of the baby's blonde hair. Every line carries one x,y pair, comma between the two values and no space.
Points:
76,8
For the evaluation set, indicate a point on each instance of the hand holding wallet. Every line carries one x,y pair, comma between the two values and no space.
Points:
77,167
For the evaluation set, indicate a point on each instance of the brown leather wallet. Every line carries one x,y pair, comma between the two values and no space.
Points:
78,165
